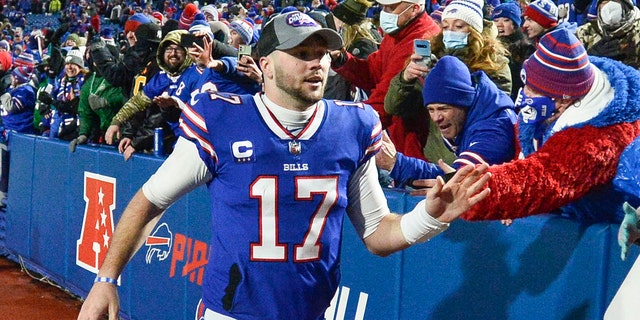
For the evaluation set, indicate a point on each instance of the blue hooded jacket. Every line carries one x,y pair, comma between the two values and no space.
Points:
488,135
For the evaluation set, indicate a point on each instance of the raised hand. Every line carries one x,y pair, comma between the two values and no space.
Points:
447,201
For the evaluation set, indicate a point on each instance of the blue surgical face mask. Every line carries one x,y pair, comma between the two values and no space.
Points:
455,39
389,21
534,109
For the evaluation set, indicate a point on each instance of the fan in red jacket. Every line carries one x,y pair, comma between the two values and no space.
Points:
401,22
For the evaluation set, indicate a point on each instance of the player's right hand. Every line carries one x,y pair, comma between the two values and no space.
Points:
102,300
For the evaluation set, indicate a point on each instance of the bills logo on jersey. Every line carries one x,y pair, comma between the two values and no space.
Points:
159,243
242,151
97,224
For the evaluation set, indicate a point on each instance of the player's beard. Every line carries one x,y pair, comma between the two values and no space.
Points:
283,81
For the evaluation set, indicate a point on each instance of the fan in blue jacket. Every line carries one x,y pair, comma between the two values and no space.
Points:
475,118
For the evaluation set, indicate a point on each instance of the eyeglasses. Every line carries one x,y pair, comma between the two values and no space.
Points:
174,50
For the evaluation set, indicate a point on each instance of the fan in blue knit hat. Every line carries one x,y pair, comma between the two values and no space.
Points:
449,82
241,32
509,10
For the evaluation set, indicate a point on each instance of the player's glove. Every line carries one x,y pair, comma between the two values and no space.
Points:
629,231
82,139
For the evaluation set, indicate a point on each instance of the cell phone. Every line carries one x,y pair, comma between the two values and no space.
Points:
244,50
189,40
422,47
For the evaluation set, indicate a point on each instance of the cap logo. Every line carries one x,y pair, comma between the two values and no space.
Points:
453,10
299,20
497,12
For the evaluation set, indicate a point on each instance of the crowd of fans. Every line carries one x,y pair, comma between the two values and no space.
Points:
111,72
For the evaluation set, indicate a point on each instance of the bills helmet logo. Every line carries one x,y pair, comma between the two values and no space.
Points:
159,243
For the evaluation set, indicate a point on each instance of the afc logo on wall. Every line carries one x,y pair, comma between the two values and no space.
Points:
97,224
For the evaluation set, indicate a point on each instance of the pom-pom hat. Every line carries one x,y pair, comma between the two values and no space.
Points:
22,74
560,67
287,31
187,16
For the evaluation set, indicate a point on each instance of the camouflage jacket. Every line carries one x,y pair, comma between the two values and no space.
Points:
622,44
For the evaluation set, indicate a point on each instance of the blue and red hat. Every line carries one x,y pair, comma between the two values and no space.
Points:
560,67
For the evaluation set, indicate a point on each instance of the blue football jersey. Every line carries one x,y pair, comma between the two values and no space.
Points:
278,201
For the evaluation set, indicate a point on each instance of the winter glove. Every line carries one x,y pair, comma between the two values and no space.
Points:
57,35
629,231
82,139
45,97
44,109
70,107
607,47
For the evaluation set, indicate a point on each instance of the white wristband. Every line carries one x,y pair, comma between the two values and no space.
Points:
418,226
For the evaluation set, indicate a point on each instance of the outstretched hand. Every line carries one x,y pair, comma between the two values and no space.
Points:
628,232
447,201
102,299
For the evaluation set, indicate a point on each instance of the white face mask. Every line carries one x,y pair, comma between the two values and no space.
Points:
612,14
389,21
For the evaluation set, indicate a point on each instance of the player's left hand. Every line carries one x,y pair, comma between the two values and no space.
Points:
629,231
447,201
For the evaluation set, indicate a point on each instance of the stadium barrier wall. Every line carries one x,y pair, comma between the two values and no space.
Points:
62,207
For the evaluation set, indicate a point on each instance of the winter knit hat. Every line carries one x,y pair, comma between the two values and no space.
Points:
4,44
351,11
509,10
134,22
449,82
159,17
201,25
559,68
543,12
24,59
74,56
210,12
187,16
436,15
469,11
22,73
244,28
